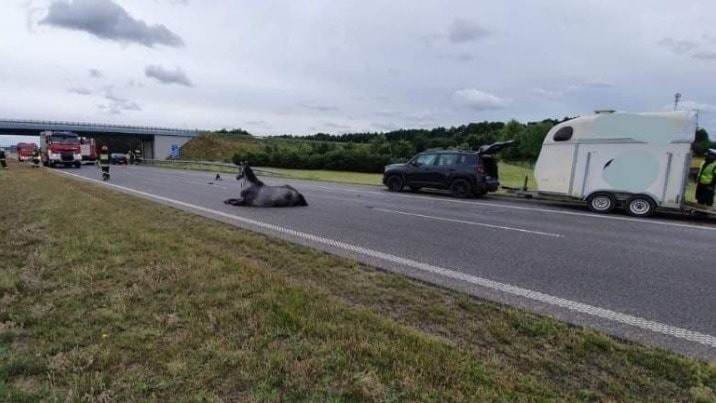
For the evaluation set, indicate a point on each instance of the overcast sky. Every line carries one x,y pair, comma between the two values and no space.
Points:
300,67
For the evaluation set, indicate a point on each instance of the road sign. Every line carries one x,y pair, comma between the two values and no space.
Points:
175,151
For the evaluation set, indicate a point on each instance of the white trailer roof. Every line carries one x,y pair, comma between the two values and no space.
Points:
619,127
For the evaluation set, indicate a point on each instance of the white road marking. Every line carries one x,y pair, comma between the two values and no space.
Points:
508,206
595,311
479,224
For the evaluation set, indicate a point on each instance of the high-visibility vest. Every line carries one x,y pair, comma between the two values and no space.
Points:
104,159
706,174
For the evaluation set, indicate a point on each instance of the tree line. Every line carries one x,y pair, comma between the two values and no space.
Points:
371,151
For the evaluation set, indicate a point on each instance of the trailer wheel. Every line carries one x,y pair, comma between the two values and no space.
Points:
640,206
602,202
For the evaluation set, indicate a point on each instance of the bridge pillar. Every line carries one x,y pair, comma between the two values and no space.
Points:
148,149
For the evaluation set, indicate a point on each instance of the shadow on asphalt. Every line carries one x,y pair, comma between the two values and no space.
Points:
572,206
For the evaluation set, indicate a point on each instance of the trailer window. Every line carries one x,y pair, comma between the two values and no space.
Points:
563,134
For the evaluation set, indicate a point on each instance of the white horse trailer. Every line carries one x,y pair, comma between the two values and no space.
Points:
639,160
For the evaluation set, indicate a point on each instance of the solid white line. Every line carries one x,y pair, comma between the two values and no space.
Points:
508,206
656,327
470,222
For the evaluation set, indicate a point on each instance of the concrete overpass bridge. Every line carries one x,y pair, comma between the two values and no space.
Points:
156,142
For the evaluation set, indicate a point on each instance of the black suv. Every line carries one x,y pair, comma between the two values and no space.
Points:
464,173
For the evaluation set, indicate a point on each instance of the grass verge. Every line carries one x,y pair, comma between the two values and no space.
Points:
510,175
107,297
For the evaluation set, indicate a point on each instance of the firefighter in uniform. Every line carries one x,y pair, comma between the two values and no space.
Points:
3,162
706,180
104,162
36,158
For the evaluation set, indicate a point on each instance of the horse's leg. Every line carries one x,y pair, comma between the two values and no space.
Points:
236,202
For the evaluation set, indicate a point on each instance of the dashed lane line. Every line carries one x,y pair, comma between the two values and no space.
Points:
479,224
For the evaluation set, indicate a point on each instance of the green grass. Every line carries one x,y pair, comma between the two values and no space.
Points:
108,297
510,174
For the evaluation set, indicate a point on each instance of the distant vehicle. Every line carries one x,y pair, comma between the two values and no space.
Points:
89,150
24,151
60,148
118,159
464,173
639,161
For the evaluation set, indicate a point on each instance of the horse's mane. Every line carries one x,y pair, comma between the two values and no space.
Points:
251,176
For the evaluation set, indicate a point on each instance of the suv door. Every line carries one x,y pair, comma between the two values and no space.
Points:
445,167
420,170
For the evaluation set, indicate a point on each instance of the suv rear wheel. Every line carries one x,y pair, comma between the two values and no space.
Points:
461,188
394,183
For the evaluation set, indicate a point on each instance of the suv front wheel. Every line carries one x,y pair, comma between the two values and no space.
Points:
461,188
394,183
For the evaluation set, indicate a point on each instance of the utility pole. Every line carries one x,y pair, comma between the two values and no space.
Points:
677,97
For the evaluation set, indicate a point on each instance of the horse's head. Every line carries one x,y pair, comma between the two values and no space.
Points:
247,176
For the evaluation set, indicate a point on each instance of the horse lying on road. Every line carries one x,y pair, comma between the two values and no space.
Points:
257,194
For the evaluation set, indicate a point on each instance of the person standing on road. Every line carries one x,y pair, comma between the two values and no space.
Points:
706,180
36,158
104,162
3,161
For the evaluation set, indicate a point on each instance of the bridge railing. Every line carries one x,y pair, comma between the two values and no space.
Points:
99,125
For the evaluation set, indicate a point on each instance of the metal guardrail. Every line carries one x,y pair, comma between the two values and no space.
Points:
234,167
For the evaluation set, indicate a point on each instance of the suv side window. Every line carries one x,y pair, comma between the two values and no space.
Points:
426,159
467,159
447,159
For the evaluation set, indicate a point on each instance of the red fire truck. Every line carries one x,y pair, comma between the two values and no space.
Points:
24,151
89,150
60,148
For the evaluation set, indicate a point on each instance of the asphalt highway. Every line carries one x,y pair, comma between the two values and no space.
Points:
649,280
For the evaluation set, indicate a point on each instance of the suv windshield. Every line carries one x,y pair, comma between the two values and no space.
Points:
64,139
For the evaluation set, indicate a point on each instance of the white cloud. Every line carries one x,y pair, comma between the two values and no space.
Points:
79,91
478,100
689,104
116,104
678,46
463,30
166,76
705,56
